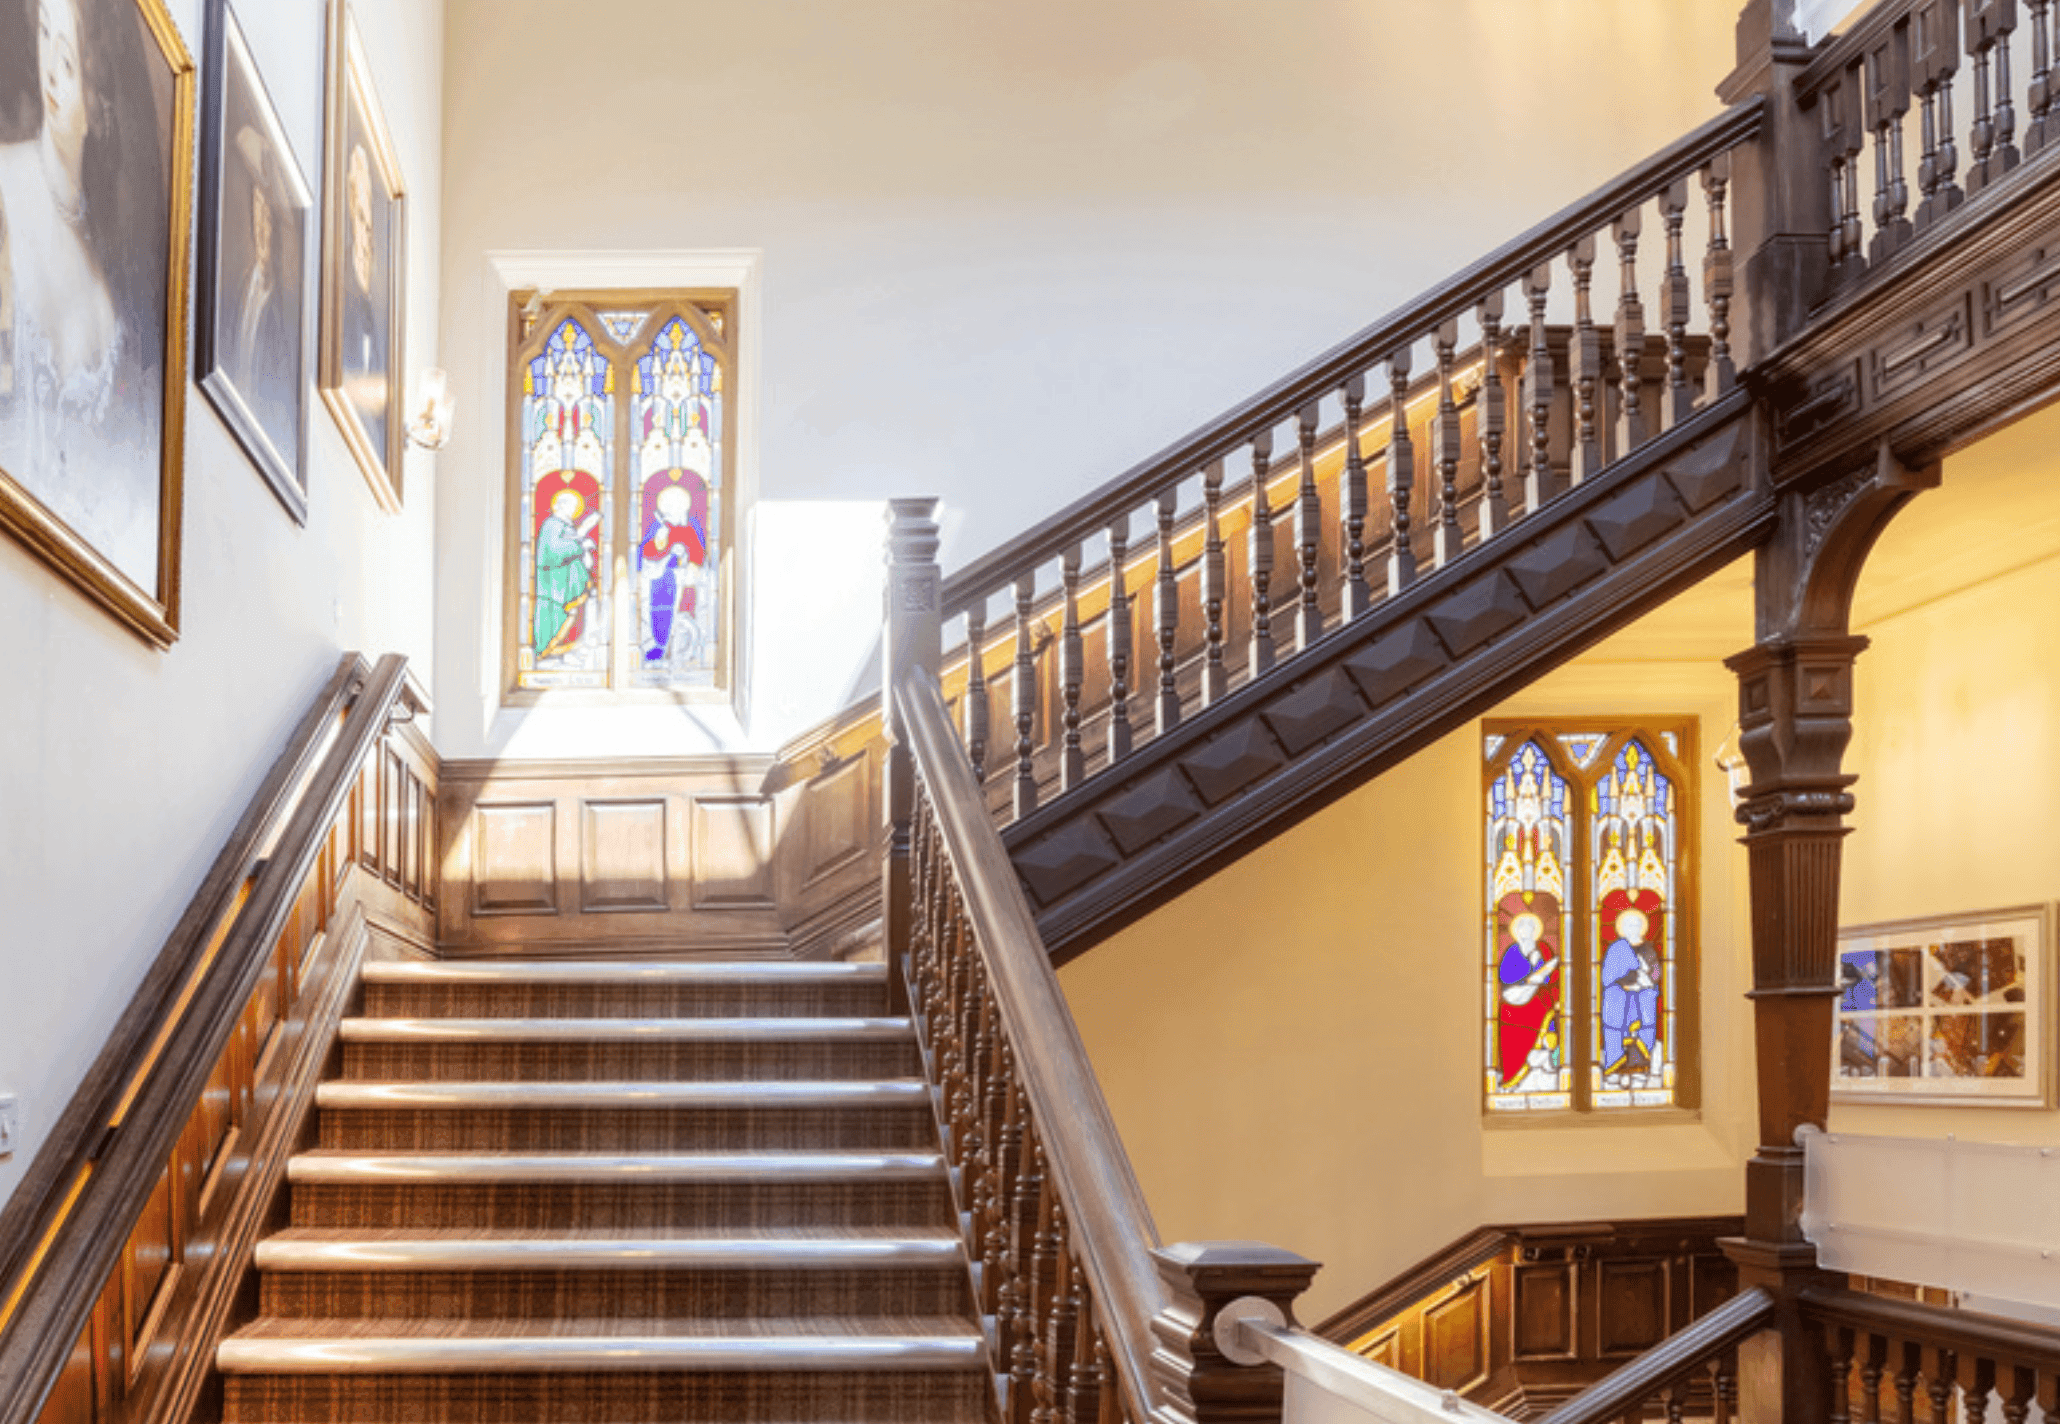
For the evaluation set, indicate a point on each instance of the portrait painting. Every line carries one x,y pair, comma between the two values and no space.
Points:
363,267
1946,1009
96,143
257,221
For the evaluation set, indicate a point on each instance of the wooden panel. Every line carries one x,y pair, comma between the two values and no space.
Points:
1543,1317
367,824
837,827
732,852
1631,1305
514,860
70,1400
147,1260
1382,1349
1455,1338
622,855
392,797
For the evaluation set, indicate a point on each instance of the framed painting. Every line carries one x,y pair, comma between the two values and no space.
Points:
257,218
1950,1009
364,265
96,198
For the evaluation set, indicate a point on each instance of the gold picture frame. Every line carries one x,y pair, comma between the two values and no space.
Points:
77,488
364,267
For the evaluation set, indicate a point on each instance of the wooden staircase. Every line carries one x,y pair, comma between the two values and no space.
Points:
616,1193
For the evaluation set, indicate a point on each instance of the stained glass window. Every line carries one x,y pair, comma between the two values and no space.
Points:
620,494
1633,854
1588,985
568,431
1530,840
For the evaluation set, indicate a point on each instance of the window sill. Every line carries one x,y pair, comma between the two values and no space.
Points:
1608,1119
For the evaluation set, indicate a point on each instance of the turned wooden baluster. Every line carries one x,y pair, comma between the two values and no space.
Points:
1845,242
1934,60
1056,1362
2040,95
1025,696
1119,639
1446,540
1584,367
1940,1367
1166,609
1040,1268
1007,1167
1989,23
1259,557
1358,597
1024,1226
1888,99
1675,302
1072,667
1721,375
1538,482
1675,1398
2017,1386
1308,531
1904,1357
1977,1382
1401,474
1724,1388
1215,578
1630,334
977,711
1839,1347
1873,1355
1083,1385
992,1109
1491,415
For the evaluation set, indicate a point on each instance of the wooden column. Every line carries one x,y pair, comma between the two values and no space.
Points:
1198,1383
910,638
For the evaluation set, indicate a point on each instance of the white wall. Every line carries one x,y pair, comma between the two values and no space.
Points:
127,767
1007,250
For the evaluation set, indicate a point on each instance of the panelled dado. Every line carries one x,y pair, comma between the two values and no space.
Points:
721,852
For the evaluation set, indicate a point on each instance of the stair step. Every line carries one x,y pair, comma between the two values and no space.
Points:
619,1030
560,997
890,1092
622,971
443,1167
303,1250
446,1347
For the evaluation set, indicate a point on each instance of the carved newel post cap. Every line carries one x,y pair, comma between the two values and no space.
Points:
1198,1383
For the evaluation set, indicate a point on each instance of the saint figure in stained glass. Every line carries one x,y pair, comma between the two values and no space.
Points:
678,464
1529,837
568,429
566,562
1634,834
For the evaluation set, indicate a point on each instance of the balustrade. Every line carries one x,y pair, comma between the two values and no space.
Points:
1381,464
1900,1362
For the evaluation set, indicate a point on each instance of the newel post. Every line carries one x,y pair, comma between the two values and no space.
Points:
910,637
1780,195
1209,1285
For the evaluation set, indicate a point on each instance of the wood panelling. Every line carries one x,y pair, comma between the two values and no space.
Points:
515,870
1544,1299
624,847
1631,1306
144,1351
673,856
733,852
1455,1337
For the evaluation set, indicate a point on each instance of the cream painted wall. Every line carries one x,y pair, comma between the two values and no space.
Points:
126,767
1006,250
1956,737
1292,1048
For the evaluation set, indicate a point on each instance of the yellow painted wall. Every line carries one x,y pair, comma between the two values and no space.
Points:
1291,1049
1957,727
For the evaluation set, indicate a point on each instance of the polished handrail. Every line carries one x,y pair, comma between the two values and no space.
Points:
65,1228
1103,1201
1361,1385
1745,1314
1962,1331
1278,402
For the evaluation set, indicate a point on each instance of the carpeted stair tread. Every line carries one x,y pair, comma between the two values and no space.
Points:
332,1165
622,971
583,1030
304,1249
771,1093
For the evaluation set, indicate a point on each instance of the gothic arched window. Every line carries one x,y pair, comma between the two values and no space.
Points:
621,565
1589,974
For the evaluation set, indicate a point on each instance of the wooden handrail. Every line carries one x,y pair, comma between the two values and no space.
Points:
1104,1204
64,1229
1962,1331
1743,1315
1278,402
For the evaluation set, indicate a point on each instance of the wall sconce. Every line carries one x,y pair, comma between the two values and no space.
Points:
1731,761
431,426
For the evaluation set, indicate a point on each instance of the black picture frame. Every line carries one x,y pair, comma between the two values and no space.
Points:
254,342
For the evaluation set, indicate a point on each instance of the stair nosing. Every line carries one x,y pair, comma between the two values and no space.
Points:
575,971
626,1096
545,1253
420,1029
460,1354
433,1167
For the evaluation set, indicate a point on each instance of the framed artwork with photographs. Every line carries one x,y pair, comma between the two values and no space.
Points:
96,195
1950,1009
257,223
364,266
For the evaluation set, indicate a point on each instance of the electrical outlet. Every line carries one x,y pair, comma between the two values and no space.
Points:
10,1123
